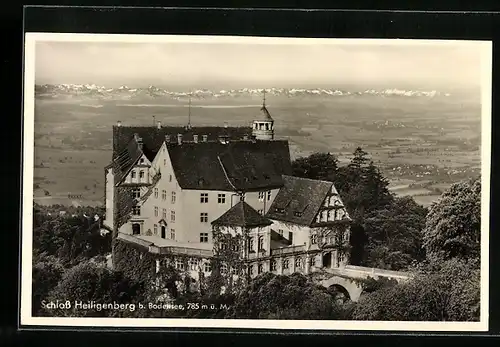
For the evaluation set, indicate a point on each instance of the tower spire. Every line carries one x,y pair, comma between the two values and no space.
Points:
264,98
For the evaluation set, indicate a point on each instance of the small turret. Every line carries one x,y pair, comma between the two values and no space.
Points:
263,125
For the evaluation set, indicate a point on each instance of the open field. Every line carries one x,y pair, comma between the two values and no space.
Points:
422,144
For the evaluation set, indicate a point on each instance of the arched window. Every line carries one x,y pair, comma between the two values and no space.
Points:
274,265
260,268
261,243
136,229
298,263
286,264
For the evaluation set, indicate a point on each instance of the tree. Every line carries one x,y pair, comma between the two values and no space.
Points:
92,282
319,166
395,234
47,272
448,291
454,222
271,296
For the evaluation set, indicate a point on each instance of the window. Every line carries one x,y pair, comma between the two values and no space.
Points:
223,246
164,194
172,216
298,263
261,243
314,239
136,193
155,229
250,270
280,231
250,245
242,197
261,196
207,267
172,234
279,210
204,237
274,265
290,236
268,195
173,197
261,212
260,268
136,229
313,261
235,247
170,178
297,214
141,174
223,268
221,198
136,210
179,264
204,198
286,264
132,174
234,271
204,217
164,213
141,161
193,264
156,193
156,211
164,160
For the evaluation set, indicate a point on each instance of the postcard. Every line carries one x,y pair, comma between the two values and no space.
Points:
251,182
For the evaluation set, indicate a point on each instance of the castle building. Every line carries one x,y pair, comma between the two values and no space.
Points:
183,193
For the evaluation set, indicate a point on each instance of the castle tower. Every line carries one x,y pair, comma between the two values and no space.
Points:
263,125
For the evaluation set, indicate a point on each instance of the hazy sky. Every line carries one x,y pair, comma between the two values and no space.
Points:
223,65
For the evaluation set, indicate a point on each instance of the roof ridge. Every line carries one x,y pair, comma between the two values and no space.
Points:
309,179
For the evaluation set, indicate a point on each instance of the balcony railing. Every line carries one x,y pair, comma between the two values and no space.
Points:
288,250
204,253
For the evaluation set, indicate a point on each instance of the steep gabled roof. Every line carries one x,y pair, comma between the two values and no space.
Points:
234,166
242,215
299,200
125,160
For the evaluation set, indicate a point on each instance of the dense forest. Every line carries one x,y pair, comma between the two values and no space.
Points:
440,246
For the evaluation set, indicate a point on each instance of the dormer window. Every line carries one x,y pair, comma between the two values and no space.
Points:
279,210
141,174
132,174
297,214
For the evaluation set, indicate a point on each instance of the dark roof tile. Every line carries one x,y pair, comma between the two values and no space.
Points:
242,215
299,200
235,166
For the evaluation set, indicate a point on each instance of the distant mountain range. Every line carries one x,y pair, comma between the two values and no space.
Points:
125,92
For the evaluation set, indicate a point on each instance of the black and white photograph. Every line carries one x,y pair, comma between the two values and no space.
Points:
256,182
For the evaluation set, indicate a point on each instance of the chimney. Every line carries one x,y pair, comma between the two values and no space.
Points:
195,138
205,138
179,139
158,125
167,138
119,124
